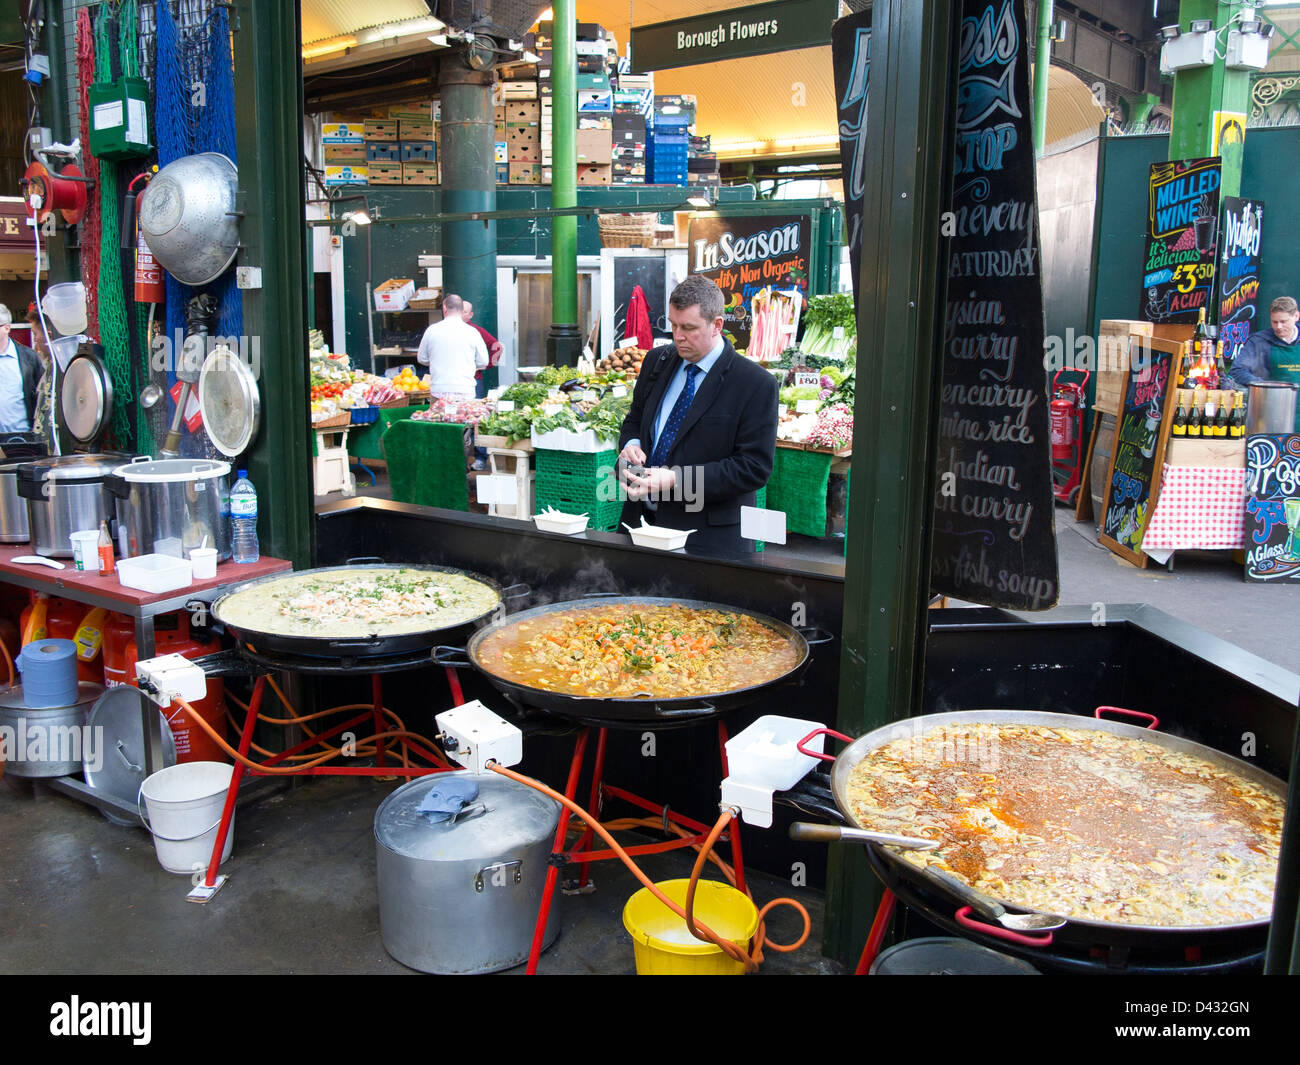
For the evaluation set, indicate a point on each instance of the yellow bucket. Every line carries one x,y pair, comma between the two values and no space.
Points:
663,944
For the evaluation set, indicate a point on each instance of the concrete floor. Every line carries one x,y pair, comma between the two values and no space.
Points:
81,895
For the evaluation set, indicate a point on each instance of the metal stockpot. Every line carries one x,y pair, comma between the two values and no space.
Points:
462,897
1270,407
171,506
66,495
14,526
51,732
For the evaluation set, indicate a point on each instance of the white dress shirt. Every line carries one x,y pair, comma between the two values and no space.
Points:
13,407
453,351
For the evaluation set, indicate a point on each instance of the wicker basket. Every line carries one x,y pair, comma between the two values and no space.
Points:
627,230
338,421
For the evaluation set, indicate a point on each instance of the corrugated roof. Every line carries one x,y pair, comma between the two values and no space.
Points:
323,19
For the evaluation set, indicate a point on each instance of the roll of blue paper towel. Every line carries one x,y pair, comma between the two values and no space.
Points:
49,669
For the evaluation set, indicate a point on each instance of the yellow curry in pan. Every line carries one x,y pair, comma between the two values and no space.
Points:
627,651
1078,822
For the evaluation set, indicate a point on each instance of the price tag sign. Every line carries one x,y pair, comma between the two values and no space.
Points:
591,395
500,489
807,406
782,411
759,524
505,406
450,410
495,393
805,379
837,333
552,408
618,392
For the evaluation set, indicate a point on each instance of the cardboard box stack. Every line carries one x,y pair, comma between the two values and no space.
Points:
344,148
524,138
702,162
629,138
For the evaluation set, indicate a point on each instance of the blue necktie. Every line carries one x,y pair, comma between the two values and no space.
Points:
675,417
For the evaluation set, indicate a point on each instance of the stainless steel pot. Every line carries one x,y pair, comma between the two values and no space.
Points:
190,218
462,897
171,506
66,495
1270,407
14,526
48,742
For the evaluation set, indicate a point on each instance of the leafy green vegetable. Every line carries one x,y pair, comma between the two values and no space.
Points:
522,394
551,376
824,315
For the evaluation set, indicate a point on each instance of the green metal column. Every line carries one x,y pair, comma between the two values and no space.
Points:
1139,107
1201,91
469,184
1042,73
268,128
902,288
564,339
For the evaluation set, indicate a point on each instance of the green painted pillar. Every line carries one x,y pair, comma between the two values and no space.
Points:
564,339
902,286
469,183
1200,92
1139,107
268,131
1042,73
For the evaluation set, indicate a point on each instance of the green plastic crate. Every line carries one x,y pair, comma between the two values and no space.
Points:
570,481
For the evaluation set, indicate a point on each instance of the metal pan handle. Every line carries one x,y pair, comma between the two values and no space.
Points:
516,591
810,833
986,907
963,918
1153,722
364,558
599,595
819,732
369,643
703,710
815,636
446,655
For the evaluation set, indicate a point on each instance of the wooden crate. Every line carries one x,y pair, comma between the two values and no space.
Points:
1222,453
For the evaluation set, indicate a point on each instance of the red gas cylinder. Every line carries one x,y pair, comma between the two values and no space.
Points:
63,619
1062,421
171,637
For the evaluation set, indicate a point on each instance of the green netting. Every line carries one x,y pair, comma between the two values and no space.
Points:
426,464
798,487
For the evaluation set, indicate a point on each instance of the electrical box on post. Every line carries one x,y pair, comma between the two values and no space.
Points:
119,120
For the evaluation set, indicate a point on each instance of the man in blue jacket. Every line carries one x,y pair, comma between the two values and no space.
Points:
1272,354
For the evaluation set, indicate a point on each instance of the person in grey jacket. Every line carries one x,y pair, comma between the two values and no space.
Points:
20,372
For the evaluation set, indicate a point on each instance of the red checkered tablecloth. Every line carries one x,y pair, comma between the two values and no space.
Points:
1200,508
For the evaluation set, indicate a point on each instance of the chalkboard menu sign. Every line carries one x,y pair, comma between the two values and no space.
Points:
993,534
744,256
1182,217
851,60
1243,226
1273,507
1138,455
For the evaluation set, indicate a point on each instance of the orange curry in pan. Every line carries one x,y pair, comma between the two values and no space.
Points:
631,650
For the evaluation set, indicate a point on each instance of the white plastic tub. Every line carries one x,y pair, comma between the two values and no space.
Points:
155,573
558,522
766,754
658,537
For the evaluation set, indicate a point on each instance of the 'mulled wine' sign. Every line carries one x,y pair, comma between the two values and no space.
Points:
1182,222
993,535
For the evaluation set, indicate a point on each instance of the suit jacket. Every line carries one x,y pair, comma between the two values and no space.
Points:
32,369
723,450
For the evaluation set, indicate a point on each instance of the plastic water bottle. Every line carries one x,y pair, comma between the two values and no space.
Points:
243,520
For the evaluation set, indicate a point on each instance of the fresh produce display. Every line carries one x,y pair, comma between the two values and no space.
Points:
830,327
553,376
407,381
792,395
775,315
523,394
833,429
628,360
456,411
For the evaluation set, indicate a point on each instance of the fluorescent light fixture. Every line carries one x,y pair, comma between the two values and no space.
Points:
333,46
1170,33
699,199
1202,25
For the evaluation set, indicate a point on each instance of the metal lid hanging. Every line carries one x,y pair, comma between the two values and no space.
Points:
86,398
228,402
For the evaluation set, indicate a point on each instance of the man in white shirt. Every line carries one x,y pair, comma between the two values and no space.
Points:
453,351
20,370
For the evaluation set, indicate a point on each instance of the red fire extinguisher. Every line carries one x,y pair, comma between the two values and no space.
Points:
149,284
1062,421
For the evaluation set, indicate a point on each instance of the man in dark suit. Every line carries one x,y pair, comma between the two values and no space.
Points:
699,440
20,372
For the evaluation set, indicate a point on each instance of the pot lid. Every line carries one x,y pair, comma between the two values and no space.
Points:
12,698
517,817
86,398
228,401
121,770
71,467
163,471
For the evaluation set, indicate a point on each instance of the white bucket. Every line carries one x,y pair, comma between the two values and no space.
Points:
185,803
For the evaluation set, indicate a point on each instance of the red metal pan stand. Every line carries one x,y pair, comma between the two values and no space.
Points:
381,768
581,852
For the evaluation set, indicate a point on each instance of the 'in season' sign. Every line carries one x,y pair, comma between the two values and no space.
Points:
732,34
993,537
